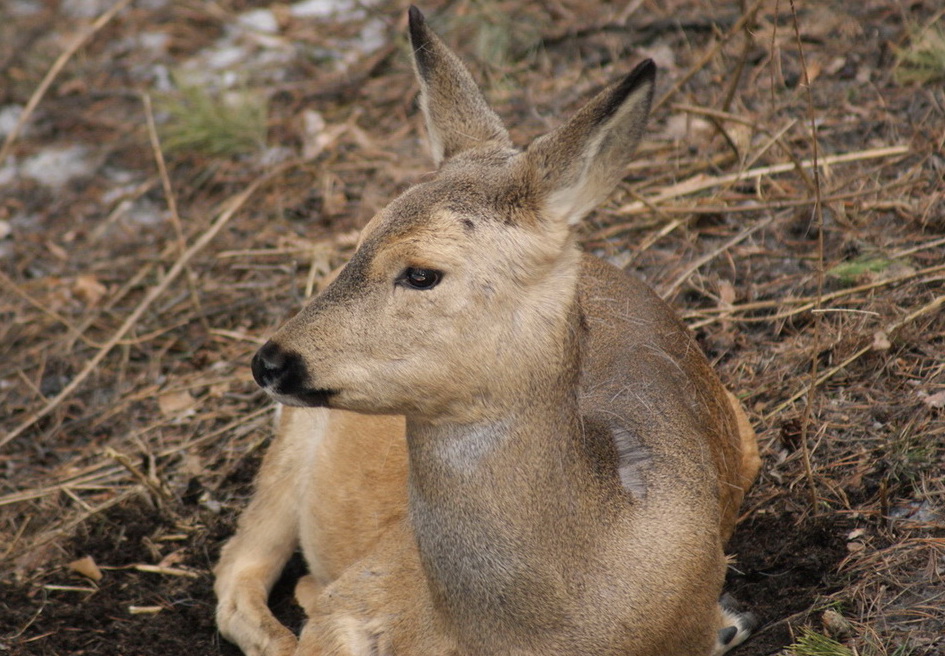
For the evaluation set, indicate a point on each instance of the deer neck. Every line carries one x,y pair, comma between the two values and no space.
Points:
487,498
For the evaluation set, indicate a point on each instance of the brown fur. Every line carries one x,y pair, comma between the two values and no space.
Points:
575,466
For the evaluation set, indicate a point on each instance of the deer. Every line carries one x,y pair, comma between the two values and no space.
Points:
490,442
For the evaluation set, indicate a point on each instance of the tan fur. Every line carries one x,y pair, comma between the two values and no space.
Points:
575,466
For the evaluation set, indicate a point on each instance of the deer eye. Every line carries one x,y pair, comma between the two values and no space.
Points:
417,278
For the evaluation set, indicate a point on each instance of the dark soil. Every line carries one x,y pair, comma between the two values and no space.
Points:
782,568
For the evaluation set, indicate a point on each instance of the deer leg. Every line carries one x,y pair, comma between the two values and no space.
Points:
252,560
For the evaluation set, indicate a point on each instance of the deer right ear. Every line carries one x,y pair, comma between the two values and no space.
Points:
457,115
576,166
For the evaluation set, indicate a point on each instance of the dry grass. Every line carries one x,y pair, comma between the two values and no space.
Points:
133,296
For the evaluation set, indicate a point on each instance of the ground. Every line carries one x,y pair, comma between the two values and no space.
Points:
134,291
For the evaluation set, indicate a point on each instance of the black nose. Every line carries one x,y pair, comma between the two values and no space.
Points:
278,370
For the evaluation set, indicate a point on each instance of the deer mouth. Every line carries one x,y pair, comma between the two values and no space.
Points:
307,398
314,398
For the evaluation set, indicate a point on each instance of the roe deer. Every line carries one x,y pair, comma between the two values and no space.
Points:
546,463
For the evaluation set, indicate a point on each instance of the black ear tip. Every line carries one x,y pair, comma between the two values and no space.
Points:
645,71
418,28
416,19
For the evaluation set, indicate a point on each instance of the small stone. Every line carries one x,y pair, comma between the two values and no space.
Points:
836,625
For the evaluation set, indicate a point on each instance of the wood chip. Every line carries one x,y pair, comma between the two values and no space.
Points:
86,567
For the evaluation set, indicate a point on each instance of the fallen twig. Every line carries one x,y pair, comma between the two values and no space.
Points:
747,16
702,182
932,306
230,208
167,571
805,303
54,71
695,266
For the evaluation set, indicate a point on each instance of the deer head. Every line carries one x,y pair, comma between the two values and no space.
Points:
461,291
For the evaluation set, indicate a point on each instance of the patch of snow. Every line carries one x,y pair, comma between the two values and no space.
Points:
253,48
8,172
9,115
225,56
153,42
24,7
260,20
276,155
26,222
374,36
147,213
85,8
326,9
161,77
56,166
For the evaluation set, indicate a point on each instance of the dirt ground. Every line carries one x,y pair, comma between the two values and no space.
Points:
131,301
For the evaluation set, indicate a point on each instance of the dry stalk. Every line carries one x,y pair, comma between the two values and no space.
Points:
770,206
702,182
229,208
158,491
166,571
747,16
708,257
243,420
123,291
54,71
818,319
67,527
805,303
83,480
892,328
74,331
736,76
171,199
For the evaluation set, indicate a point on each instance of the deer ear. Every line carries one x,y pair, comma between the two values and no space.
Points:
575,167
457,116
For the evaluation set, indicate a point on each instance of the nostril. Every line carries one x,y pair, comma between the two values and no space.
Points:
267,364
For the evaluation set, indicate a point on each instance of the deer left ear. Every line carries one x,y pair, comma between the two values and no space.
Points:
577,166
457,115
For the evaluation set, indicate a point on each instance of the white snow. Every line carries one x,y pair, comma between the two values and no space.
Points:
56,166
9,115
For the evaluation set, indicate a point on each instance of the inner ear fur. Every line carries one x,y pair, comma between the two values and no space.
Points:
576,166
457,115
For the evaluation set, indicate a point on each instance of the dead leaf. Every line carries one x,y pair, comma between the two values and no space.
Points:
691,129
89,289
881,341
741,135
935,401
317,135
57,251
218,390
86,567
174,404
726,293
